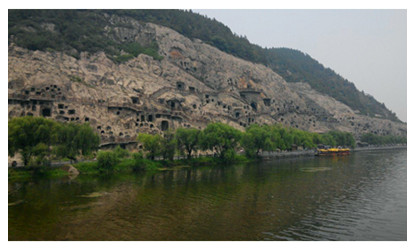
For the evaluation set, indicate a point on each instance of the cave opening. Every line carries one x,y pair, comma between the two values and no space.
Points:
46,112
164,125
135,100
254,106
180,85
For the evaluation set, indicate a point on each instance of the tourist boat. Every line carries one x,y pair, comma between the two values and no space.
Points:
332,151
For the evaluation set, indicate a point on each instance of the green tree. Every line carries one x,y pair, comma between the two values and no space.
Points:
257,138
67,145
75,139
41,151
107,161
350,141
279,134
342,138
317,139
168,145
151,144
276,137
328,139
31,136
221,138
187,140
288,140
381,140
87,138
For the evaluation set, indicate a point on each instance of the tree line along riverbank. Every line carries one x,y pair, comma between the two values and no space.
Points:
40,141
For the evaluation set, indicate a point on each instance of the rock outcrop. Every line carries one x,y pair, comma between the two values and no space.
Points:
191,86
71,170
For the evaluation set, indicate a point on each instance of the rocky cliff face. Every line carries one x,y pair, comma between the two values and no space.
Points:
193,85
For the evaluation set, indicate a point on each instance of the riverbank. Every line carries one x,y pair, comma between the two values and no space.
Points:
311,153
127,165
288,154
123,166
373,148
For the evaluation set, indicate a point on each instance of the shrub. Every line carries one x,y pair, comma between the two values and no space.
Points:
125,165
107,161
121,153
140,163
87,167
229,155
150,165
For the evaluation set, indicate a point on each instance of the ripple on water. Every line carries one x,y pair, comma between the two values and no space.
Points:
315,169
361,197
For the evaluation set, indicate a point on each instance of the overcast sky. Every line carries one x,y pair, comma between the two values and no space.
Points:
367,47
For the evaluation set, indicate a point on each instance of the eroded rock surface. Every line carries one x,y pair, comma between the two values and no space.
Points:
191,86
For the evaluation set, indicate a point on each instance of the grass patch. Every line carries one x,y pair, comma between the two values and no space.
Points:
52,173
87,167
75,78
123,58
125,165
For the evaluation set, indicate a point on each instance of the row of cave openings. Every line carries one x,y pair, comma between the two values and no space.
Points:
208,99
45,108
149,119
52,91
182,87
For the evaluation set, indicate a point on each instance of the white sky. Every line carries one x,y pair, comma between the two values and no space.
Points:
367,47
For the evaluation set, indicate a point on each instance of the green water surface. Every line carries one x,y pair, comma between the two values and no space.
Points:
357,197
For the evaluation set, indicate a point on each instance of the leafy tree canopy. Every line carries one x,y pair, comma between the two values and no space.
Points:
258,138
221,138
31,136
168,145
382,140
151,144
187,140
37,136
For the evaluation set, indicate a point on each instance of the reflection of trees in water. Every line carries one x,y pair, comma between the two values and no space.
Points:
205,203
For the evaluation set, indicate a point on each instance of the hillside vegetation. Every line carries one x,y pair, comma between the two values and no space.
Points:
74,31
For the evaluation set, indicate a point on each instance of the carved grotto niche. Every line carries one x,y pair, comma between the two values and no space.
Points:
164,125
46,112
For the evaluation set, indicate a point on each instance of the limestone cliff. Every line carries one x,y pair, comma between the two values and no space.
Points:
191,86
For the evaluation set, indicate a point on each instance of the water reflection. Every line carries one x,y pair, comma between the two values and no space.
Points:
340,198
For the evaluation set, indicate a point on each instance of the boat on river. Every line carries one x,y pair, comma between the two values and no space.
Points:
332,151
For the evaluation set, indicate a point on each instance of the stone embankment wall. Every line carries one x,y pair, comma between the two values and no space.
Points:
374,148
310,153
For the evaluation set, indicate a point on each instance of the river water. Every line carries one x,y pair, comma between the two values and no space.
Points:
358,197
